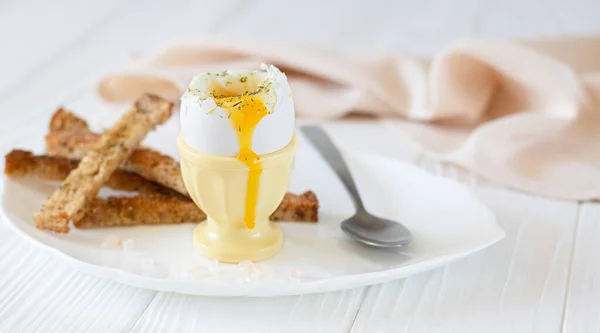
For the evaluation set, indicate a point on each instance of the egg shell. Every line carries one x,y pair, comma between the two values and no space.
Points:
206,127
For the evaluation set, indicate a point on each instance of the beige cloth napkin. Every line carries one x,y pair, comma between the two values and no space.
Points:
525,115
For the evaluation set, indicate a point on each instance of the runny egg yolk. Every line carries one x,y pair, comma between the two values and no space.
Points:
244,113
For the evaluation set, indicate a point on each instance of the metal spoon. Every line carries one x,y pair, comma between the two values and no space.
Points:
363,227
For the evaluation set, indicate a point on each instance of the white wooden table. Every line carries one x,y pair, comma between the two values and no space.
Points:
543,277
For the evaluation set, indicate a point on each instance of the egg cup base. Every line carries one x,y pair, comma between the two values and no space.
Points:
236,245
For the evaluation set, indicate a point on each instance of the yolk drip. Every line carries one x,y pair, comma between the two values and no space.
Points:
245,112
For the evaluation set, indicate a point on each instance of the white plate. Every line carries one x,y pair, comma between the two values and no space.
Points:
447,221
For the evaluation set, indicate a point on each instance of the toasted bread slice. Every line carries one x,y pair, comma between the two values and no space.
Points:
157,209
71,200
142,209
303,207
70,137
63,120
156,205
21,163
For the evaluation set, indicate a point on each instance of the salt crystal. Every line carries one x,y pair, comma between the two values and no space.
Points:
212,265
246,263
178,272
196,271
294,276
294,280
254,272
128,245
267,271
111,242
148,264
184,274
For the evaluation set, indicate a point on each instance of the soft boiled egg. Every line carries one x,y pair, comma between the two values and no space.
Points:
242,114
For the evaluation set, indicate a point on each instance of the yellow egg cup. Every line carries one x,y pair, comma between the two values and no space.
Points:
218,184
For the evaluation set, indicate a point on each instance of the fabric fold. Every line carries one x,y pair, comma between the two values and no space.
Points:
524,115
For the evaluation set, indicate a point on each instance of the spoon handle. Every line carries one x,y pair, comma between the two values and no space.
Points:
317,136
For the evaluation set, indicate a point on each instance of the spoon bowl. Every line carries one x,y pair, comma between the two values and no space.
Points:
375,231
363,226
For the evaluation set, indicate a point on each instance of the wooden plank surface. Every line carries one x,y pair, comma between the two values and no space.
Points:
52,53
517,285
582,313
38,293
329,312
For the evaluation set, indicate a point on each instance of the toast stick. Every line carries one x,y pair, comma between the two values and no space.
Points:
156,209
156,205
71,137
21,163
70,201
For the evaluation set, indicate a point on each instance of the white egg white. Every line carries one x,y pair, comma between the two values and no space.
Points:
206,128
